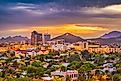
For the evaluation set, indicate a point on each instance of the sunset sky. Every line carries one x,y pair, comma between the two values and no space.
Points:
85,18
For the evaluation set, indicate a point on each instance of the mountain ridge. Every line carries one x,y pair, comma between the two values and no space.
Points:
69,38
112,34
10,39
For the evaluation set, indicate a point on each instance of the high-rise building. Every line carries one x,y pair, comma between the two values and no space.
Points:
36,38
46,37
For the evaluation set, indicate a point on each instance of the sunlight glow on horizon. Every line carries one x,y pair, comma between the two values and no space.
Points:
82,31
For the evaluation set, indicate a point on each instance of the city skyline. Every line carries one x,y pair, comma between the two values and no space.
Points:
88,19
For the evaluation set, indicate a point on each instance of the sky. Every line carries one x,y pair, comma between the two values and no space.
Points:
85,18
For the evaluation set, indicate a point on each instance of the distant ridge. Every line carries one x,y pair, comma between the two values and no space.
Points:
113,37
68,38
112,34
108,41
13,39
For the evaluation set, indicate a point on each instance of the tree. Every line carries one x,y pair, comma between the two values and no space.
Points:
58,78
68,78
37,72
84,70
20,79
74,65
86,55
40,57
9,60
86,67
36,64
116,77
63,68
74,57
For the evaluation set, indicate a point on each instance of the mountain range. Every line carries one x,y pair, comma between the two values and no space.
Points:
113,37
13,39
106,39
112,34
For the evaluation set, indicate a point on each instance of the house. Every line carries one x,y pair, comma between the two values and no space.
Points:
73,74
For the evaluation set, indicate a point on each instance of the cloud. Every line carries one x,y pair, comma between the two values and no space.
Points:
114,9
17,14
110,10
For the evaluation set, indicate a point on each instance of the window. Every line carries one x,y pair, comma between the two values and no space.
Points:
75,75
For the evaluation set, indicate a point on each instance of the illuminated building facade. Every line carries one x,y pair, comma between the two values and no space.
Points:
36,38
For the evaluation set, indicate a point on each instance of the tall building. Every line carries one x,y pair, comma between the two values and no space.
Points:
46,37
36,38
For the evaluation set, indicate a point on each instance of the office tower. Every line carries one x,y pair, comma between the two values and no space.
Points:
36,38
46,37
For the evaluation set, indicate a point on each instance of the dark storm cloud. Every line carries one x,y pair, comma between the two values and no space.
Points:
68,2
17,13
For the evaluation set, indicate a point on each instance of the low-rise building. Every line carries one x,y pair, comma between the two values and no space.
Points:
73,74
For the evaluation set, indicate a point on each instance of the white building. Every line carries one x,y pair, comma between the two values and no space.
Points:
73,74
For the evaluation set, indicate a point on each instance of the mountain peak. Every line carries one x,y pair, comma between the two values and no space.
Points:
112,34
116,32
68,34
69,38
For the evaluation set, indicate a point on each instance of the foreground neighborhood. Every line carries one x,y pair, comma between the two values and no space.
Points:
64,58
